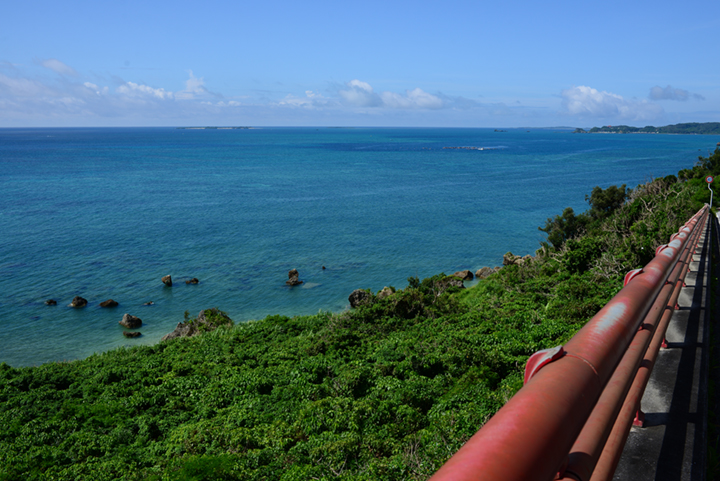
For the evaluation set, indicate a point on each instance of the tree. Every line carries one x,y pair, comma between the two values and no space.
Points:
710,164
562,227
603,202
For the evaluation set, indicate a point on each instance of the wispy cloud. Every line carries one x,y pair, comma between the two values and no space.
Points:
311,100
22,87
195,89
412,99
670,93
57,66
588,103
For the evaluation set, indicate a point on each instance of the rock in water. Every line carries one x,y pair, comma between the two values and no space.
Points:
194,280
167,280
78,302
293,278
131,322
132,334
51,302
109,303
465,275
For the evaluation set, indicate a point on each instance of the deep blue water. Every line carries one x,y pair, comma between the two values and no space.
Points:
105,213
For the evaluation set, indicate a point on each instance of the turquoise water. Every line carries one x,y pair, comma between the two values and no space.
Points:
105,213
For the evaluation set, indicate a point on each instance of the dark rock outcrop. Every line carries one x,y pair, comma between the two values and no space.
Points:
78,302
359,297
511,259
132,334
465,275
51,302
194,280
183,329
207,320
293,278
167,280
109,303
131,322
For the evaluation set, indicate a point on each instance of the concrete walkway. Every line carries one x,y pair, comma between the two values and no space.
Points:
672,446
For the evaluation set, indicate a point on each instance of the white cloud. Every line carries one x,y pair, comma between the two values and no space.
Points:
587,102
132,89
670,93
413,99
22,87
58,67
67,102
361,94
312,100
229,103
96,89
194,89
194,84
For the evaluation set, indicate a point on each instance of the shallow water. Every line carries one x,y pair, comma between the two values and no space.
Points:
105,213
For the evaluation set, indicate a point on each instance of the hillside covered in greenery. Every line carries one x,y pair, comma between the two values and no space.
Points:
687,128
386,391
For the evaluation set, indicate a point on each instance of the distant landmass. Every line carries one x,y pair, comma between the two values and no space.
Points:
689,128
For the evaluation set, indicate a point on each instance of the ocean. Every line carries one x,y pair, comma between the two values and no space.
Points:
106,213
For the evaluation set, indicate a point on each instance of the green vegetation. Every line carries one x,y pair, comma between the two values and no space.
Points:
388,390
688,128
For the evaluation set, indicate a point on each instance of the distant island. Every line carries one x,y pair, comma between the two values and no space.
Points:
689,128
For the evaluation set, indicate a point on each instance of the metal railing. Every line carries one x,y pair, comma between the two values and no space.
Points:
571,419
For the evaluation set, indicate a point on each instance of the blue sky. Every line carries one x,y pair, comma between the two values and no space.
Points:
329,63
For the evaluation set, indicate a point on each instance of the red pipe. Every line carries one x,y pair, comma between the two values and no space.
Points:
590,443
531,436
